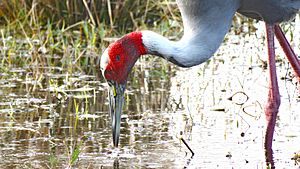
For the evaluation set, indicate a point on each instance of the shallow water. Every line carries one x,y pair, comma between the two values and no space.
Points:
42,122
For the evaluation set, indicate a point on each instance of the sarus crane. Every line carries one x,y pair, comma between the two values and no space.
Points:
205,24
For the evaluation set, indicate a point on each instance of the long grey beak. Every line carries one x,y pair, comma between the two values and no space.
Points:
116,101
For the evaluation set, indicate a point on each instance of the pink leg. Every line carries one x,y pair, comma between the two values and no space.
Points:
273,102
295,63
288,50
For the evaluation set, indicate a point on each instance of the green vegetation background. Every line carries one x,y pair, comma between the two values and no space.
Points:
72,34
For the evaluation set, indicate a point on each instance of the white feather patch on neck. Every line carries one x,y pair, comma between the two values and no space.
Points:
185,53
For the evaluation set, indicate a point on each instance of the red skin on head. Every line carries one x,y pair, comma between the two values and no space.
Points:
122,56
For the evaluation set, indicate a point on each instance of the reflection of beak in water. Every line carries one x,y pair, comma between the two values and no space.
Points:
116,163
116,100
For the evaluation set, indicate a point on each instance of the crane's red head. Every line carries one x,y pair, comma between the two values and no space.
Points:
116,63
119,58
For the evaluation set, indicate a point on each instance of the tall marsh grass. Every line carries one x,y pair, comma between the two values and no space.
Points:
71,34
115,14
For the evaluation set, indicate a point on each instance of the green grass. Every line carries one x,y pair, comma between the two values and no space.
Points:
37,35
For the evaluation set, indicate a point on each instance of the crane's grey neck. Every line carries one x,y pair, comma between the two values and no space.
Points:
202,37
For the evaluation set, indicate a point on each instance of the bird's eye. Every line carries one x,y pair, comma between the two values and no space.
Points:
118,58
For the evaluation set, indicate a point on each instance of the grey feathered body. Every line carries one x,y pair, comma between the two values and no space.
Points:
270,11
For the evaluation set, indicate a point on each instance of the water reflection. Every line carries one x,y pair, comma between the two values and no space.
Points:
116,163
